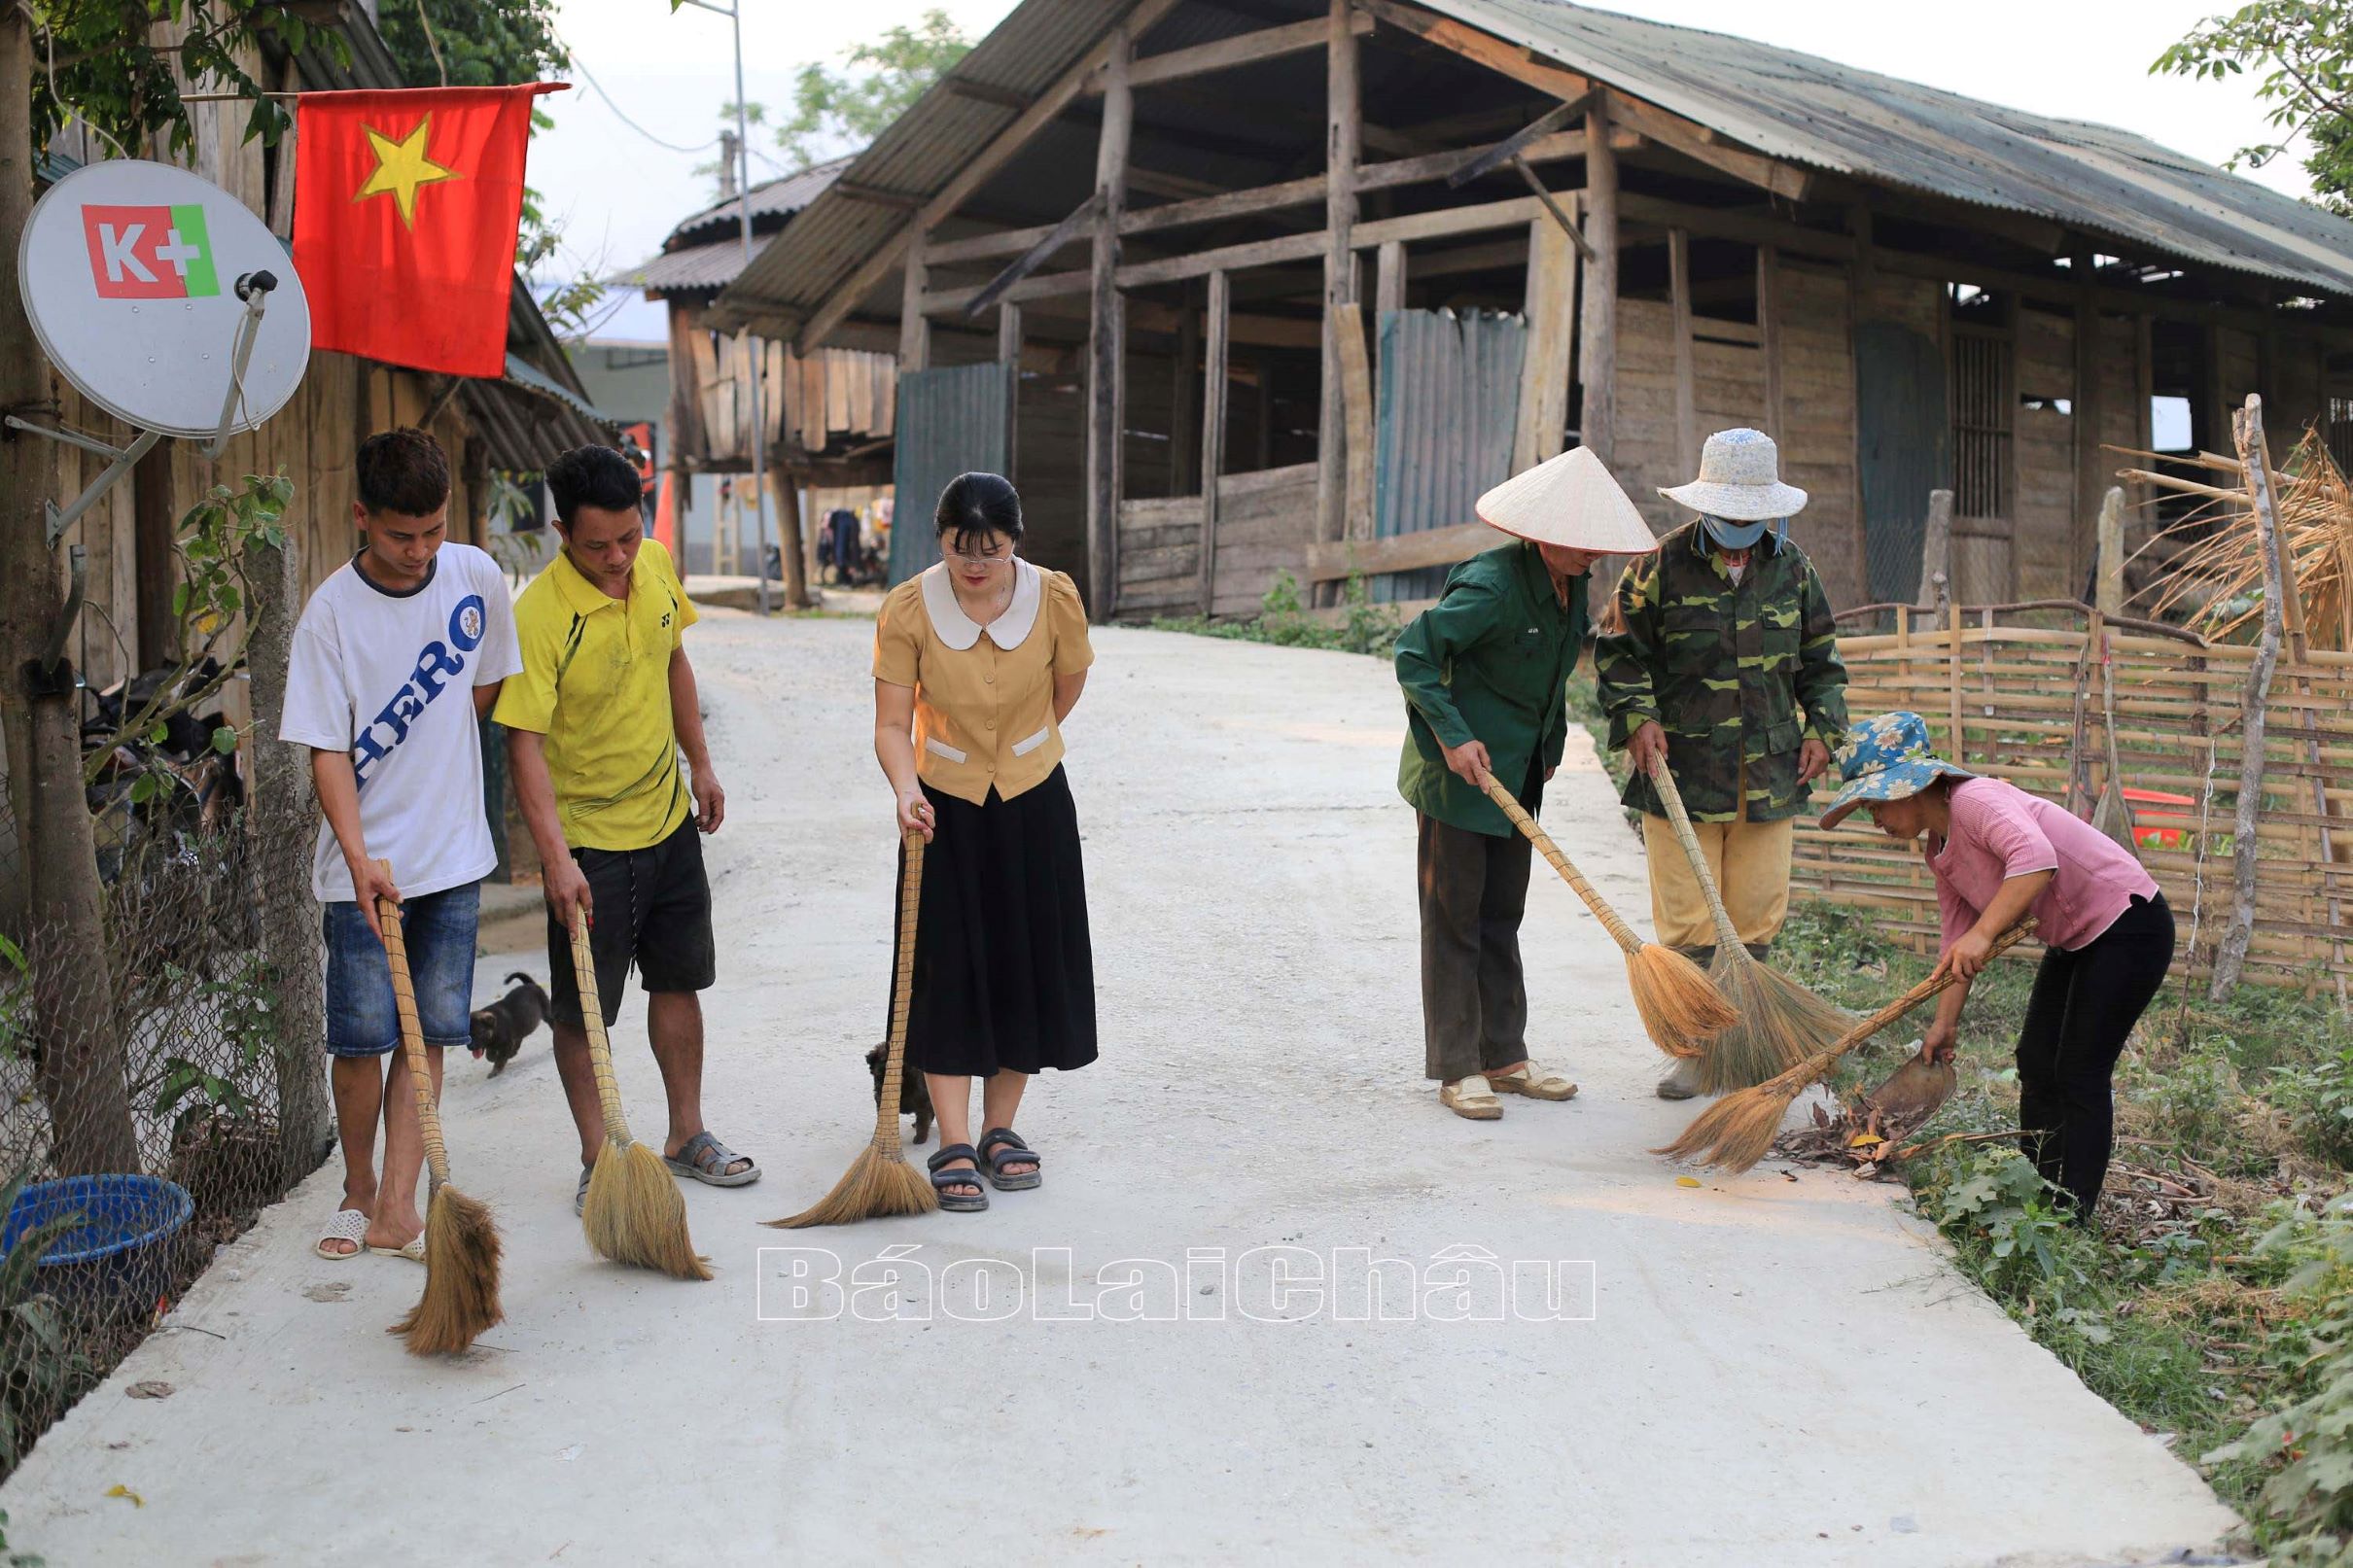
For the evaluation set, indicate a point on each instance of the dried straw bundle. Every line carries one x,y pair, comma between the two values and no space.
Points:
1736,1130
1777,1022
1680,1010
879,1181
633,1212
2214,557
461,1297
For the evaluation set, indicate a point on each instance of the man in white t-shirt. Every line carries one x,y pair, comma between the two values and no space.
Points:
397,657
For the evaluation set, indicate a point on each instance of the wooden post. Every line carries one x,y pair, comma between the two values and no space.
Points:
1597,338
1769,335
2144,396
1356,400
1936,548
1265,411
795,507
1107,339
1184,442
2111,552
1860,277
914,327
1950,605
2230,957
1213,430
1388,275
2085,412
1342,134
1008,355
1552,316
154,529
1687,405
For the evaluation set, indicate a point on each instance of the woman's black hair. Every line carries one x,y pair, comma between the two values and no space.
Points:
974,505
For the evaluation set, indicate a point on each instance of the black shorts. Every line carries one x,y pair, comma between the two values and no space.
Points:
652,909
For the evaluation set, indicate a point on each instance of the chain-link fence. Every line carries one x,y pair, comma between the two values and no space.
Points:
161,1078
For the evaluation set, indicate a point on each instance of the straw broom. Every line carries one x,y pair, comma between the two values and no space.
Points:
633,1212
1680,1010
1780,1021
879,1181
461,1297
1736,1130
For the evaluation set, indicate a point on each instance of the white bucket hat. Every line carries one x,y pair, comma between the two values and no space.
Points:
1740,480
1570,501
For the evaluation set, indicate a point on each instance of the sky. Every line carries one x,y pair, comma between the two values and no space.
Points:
616,192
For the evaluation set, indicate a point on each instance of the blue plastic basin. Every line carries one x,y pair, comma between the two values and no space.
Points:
117,1250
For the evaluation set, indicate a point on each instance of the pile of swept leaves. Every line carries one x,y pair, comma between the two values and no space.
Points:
2213,1304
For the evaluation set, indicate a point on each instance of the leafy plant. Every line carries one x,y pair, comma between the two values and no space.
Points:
1995,1201
189,1089
2304,51
14,1003
1284,620
2319,1097
112,66
41,1372
836,112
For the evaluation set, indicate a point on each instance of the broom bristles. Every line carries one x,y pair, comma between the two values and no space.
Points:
634,1213
1780,1024
1736,1130
461,1297
1679,1008
878,1184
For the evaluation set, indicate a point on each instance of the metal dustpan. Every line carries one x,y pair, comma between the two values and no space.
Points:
1908,1097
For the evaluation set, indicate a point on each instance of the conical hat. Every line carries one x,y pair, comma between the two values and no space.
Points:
1570,500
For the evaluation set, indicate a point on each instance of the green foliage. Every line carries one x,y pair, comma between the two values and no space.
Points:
2319,1099
41,1373
16,1006
207,608
2304,50
2304,1510
104,63
1284,621
189,1089
1992,1200
836,112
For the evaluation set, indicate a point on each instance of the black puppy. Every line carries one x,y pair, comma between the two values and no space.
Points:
500,1030
914,1100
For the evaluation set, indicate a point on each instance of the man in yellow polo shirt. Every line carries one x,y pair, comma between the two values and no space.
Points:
596,723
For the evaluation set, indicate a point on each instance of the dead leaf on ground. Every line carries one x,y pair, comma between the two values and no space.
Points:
117,1489
150,1388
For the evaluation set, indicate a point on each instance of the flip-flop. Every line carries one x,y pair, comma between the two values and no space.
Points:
414,1251
348,1225
706,1159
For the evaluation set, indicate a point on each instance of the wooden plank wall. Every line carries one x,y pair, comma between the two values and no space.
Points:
1265,522
2177,706
2037,542
836,392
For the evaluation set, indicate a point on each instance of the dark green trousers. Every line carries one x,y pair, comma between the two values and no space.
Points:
1474,993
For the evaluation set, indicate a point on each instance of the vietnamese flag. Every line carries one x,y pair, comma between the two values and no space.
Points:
405,209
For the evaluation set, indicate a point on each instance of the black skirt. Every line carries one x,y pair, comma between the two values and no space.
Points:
1004,972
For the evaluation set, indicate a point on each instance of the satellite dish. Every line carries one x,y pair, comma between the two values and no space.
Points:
137,278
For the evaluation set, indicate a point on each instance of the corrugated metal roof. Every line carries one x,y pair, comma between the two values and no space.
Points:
696,268
915,156
1833,117
772,203
1798,107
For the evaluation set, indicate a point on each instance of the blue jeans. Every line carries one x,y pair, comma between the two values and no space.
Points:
438,929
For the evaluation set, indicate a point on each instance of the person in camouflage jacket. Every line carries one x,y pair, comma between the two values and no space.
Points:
1721,658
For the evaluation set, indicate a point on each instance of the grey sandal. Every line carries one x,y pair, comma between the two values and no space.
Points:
580,1198
706,1159
942,1180
1002,1147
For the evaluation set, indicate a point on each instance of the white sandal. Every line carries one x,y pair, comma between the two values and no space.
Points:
414,1251
348,1225
1536,1081
1471,1099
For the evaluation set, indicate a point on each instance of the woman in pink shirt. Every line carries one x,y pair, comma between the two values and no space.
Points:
1998,855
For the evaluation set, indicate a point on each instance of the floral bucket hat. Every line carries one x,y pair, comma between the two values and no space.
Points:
1887,758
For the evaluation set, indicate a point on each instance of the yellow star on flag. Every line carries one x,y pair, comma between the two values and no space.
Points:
402,166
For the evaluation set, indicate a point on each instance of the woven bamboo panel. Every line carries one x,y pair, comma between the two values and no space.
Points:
2023,694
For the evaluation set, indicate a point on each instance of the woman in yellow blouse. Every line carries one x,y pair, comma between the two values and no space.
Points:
977,662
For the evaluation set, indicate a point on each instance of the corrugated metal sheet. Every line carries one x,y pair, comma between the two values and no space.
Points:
1858,123
704,253
950,422
1448,404
1792,106
772,203
915,156
1903,446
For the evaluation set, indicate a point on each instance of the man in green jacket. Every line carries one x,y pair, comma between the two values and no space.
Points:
1722,639
1486,673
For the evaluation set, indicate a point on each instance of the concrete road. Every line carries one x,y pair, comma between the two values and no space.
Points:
1763,1369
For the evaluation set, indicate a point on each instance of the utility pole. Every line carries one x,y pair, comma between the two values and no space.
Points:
758,437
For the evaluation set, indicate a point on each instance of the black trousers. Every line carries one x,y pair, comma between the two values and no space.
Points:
2083,1008
1474,993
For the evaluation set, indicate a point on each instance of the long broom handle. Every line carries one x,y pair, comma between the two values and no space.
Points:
902,992
412,1035
1813,1066
1569,874
1726,934
592,1019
